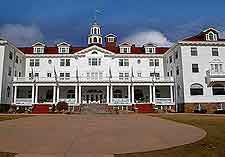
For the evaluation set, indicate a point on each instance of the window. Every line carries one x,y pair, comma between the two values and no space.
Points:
156,75
218,89
94,61
37,62
215,52
49,74
38,50
217,67
176,54
36,74
8,91
171,73
125,50
20,74
194,51
156,62
64,62
139,74
95,40
195,68
10,71
49,61
10,55
168,74
177,70
123,76
153,62
110,39
123,62
17,59
61,75
63,49
138,61
31,62
150,50
15,73
171,59
196,89
67,76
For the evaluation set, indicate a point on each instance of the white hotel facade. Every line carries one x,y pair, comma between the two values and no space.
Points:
186,76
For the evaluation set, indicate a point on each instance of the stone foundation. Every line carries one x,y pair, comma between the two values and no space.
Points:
210,107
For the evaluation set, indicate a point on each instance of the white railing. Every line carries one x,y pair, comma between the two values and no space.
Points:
69,101
88,79
24,101
120,101
163,100
211,73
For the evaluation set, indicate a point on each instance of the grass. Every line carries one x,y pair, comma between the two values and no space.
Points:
213,145
10,117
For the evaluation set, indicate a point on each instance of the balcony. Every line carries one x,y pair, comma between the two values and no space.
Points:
89,79
214,77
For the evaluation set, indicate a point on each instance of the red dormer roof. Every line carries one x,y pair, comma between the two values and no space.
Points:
202,35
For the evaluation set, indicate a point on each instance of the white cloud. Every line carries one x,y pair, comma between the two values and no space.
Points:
152,36
21,35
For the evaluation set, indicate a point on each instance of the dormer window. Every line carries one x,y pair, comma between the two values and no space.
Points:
111,39
125,48
149,48
211,36
63,47
38,47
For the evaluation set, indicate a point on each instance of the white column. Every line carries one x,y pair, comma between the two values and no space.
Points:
57,94
75,89
79,99
132,92
129,92
150,94
15,93
107,91
54,94
111,94
171,94
153,92
33,94
36,95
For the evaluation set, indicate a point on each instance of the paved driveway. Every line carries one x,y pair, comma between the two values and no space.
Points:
92,135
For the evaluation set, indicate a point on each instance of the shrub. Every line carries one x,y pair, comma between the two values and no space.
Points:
220,112
62,106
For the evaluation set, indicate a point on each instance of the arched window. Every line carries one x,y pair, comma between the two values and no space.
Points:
99,40
90,40
95,40
95,30
94,52
218,89
211,36
196,89
8,91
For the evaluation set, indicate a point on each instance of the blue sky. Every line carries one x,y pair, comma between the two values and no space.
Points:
24,21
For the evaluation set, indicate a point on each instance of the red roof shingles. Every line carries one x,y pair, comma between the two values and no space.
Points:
116,50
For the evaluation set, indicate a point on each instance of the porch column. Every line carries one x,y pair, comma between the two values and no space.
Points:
153,96
36,95
57,94
128,93
54,94
80,95
111,94
33,94
15,94
171,93
75,89
150,94
132,92
107,91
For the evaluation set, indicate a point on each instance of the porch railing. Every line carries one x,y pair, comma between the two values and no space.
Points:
120,101
69,101
163,100
24,101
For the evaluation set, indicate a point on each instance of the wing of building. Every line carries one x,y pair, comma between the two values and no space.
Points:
186,76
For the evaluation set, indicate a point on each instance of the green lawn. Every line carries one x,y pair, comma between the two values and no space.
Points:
10,117
213,145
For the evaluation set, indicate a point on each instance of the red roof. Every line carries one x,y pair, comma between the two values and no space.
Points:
134,50
202,36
